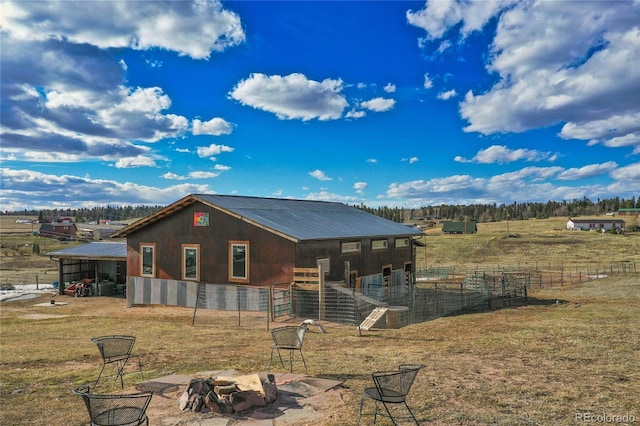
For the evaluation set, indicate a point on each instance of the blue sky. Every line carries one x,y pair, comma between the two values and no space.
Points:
404,104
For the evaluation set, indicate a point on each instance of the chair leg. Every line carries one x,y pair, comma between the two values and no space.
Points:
303,361
361,405
99,375
411,413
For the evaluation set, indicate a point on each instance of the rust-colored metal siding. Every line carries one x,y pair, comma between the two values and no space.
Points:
366,262
272,257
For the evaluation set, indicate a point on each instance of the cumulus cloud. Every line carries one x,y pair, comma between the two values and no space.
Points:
360,187
411,160
216,127
378,104
191,28
46,191
320,175
556,64
630,173
588,171
132,162
428,83
390,88
447,95
213,150
501,154
74,99
293,96
439,16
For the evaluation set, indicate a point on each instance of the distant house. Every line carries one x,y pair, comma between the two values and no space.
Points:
254,241
454,227
629,212
595,224
62,231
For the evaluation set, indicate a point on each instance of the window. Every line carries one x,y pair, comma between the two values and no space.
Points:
191,262
148,260
402,242
379,244
351,247
239,261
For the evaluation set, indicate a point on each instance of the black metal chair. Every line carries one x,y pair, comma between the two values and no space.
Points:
391,387
288,338
116,350
116,410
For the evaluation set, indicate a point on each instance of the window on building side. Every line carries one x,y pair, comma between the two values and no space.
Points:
351,247
148,260
402,242
239,261
190,262
379,244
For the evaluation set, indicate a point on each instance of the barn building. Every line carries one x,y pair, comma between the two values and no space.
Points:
256,242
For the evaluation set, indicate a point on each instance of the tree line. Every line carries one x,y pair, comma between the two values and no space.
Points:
476,212
498,212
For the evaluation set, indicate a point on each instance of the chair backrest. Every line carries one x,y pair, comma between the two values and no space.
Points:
114,410
396,384
114,346
289,336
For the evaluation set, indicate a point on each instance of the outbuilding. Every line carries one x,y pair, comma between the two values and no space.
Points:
595,224
104,263
256,241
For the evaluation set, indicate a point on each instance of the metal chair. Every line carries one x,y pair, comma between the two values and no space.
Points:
116,350
288,338
116,410
391,387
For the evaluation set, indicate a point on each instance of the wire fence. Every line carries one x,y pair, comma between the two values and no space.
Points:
434,293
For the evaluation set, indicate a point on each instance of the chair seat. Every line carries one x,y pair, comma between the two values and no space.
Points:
121,416
389,395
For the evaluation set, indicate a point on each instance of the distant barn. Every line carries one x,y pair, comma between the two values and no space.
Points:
466,227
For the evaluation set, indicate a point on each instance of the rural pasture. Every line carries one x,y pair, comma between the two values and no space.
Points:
571,352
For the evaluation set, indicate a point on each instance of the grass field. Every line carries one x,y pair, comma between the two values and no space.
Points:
572,350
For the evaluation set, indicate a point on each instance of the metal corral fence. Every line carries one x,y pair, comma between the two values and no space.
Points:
437,292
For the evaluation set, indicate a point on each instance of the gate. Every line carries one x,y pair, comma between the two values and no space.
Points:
280,302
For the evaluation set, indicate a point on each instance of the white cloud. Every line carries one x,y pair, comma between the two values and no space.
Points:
221,167
192,28
390,88
212,150
447,95
428,83
355,114
328,196
216,127
292,97
556,63
372,160
173,176
630,174
320,175
439,16
132,162
46,191
501,154
411,160
378,104
588,171
360,187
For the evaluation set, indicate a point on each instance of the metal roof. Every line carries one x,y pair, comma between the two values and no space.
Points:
94,250
295,219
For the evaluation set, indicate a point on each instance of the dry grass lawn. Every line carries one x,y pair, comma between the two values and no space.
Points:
539,364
